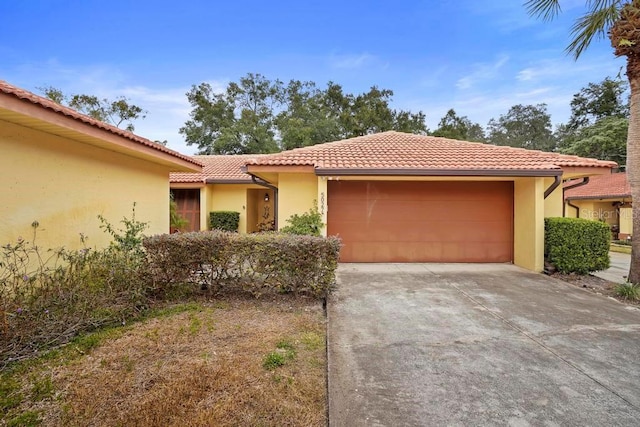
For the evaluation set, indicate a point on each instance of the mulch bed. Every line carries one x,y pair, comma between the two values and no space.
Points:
594,284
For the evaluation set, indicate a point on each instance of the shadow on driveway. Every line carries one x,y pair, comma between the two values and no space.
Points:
477,344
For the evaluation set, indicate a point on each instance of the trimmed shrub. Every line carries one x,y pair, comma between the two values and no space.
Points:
221,262
224,220
309,223
576,245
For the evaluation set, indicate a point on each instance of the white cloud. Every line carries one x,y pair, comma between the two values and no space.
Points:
482,72
352,61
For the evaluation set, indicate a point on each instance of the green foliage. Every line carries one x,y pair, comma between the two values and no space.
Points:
309,223
285,351
257,115
599,122
461,128
226,262
116,112
604,140
576,245
273,360
128,239
597,101
628,291
25,419
224,220
49,296
523,126
623,242
238,120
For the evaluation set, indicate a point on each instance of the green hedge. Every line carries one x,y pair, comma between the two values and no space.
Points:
575,245
224,220
223,262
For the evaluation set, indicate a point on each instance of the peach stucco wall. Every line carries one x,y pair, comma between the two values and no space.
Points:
64,184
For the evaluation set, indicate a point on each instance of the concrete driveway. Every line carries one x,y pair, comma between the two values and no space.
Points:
460,344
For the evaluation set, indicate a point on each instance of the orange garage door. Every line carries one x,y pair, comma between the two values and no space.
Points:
394,221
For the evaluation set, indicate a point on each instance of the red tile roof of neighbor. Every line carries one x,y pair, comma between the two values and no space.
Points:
601,187
73,114
401,152
218,168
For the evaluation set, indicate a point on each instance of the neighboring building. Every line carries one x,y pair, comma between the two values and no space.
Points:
398,197
603,198
62,169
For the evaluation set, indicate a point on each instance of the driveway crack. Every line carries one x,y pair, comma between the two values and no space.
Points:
543,345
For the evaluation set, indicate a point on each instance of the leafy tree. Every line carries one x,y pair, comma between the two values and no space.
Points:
592,104
239,120
456,127
523,126
116,112
260,116
606,139
599,100
619,20
306,118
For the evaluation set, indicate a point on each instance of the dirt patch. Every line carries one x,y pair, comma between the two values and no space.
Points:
199,368
594,284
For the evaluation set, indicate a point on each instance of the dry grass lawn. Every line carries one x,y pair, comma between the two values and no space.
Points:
202,367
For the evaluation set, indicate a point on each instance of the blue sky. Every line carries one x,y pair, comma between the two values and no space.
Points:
479,58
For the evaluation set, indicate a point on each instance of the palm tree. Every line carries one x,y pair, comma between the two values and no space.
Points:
620,21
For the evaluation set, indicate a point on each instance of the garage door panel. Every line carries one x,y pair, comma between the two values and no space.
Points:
436,251
422,221
438,232
418,211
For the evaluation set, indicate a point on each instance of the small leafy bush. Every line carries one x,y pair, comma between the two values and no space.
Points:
576,245
224,220
623,242
261,263
628,291
273,360
309,223
285,351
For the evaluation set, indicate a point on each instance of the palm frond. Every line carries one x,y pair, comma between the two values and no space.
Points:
593,25
544,9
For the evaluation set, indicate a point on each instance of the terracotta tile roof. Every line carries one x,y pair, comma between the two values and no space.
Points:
218,168
73,114
609,186
397,151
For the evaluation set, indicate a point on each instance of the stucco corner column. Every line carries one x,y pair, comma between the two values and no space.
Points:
528,223
322,203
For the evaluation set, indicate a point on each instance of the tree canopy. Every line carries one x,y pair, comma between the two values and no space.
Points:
598,123
459,127
118,111
523,126
257,115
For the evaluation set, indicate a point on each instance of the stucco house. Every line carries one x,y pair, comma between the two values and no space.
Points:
223,186
398,197
62,169
601,198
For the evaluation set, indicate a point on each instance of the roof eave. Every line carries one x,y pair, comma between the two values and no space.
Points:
28,113
227,181
439,172
599,197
